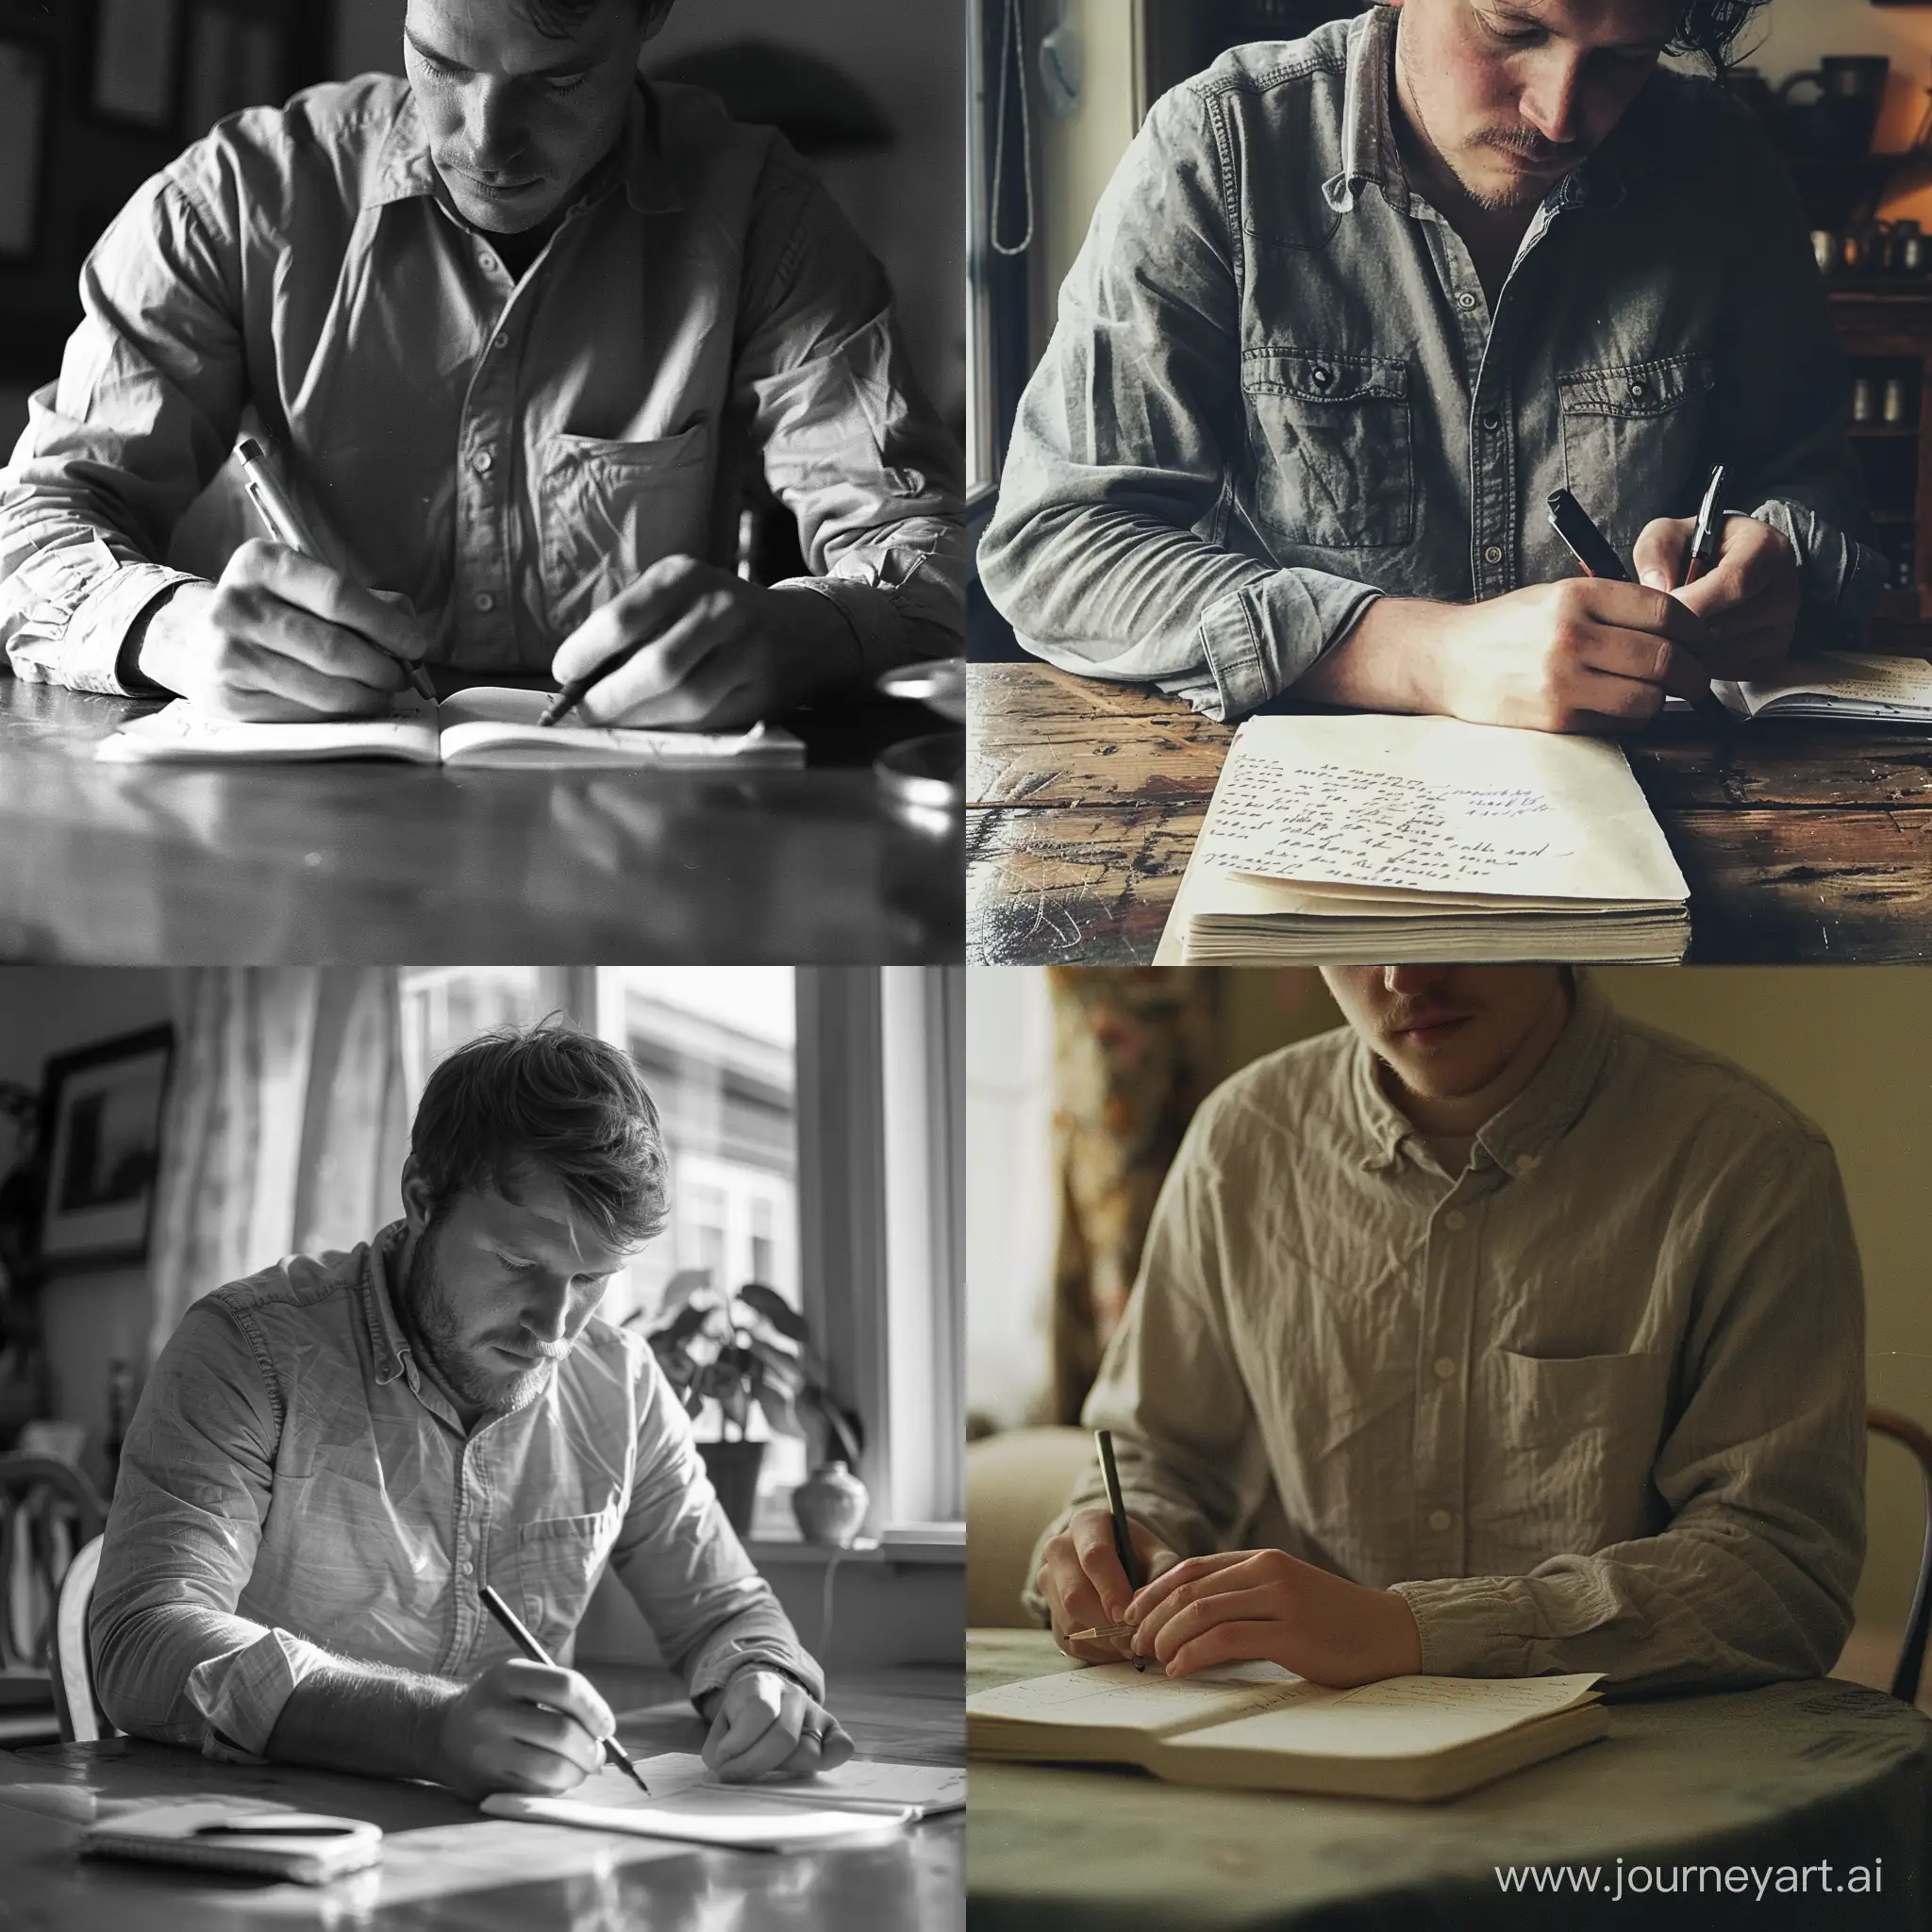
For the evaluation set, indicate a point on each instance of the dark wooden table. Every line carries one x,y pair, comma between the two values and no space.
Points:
374,861
1787,1775
1800,842
448,1868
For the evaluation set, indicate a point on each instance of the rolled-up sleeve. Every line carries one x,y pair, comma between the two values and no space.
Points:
710,1609
1102,553
1763,1469
145,411
171,1661
849,441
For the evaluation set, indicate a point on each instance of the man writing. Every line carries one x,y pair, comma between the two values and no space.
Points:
514,323
1351,309
1493,1336
332,1456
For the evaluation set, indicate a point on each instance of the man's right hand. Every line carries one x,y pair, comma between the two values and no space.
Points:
521,1727
280,638
1081,1578
1583,655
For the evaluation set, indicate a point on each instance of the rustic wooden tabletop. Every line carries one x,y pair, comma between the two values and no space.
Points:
1801,843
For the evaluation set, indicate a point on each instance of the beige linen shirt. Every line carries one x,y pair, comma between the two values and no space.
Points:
1596,1402
508,452
294,1486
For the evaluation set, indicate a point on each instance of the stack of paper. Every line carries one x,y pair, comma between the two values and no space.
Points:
1379,838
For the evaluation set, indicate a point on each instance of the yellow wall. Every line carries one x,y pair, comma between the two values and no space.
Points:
1851,1047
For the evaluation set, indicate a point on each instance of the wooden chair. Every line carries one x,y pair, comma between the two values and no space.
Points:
82,1719
1911,1655
48,1511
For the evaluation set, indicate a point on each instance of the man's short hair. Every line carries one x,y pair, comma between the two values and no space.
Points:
1711,29
558,19
545,1099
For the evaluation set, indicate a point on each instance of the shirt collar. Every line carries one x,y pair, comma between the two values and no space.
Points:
390,1347
1371,154
404,170
1518,1138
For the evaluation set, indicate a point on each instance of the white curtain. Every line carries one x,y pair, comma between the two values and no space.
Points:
285,1123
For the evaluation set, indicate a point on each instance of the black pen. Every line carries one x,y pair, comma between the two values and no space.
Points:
513,1629
573,694
1592,550
1706,539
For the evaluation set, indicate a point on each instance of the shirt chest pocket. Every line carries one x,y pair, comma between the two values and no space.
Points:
609,511
1573,1441
1335,460
1633,433
558,1559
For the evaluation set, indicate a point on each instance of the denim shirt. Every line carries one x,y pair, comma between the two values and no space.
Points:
294,1486
508,452
1278,390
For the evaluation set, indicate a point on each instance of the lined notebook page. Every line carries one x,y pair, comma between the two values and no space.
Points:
1400,1717
1119,1696
1434,804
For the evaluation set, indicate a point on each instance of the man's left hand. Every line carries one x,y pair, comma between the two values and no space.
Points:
765,1726
1749,598
1264,1604
715,652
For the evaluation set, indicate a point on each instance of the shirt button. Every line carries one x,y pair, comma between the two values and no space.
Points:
1465,300
1445,1367
1440,1518
1524,1162
1321,377
1456,1221
1493,553
1639,389
1492,420
466,1569
484,601
501,342
484,461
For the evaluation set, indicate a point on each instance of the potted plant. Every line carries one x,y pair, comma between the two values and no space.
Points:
749,1349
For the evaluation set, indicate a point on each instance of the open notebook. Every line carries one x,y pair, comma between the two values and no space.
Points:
860,1802
1257,1726
1850,686
1383,838
489,725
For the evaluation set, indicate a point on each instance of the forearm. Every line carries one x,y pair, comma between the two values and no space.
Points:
1394,659
366,1719
1704,1608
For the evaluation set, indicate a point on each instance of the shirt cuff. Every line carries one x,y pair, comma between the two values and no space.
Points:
90,652
1842,579
1261,639
727,1659
1472,1628
241,1695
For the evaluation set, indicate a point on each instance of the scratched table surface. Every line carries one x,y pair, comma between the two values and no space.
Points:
1781,1776
377,861
448,1868
1800,842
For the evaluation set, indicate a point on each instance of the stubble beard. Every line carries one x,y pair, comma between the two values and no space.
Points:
430,1309
1525,192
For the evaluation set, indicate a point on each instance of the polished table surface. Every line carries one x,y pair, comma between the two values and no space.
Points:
378,860
1800,842
1788,1775
448,1868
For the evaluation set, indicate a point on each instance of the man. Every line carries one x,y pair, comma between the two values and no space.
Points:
1493,1336
1353,307
513,323
332,1456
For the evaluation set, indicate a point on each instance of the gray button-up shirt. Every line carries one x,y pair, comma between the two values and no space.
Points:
1594,1402
509,454
293,1485
1278,390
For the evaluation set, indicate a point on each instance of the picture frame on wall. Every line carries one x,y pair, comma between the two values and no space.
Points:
101,1141
26,91
136,60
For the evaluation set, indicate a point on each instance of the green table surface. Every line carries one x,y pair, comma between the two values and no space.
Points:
1784,1775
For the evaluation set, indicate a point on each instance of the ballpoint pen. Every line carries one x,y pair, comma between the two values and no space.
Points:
285,525
573,694
1123,1541
1706,539
513,1628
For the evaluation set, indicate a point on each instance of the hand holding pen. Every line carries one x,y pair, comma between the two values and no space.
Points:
1090,1571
